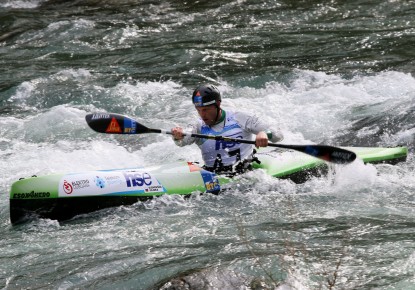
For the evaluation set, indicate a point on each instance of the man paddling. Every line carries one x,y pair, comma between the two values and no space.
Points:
218,155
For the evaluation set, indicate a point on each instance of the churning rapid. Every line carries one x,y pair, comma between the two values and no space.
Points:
329,72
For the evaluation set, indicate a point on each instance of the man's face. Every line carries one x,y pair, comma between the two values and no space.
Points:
208,114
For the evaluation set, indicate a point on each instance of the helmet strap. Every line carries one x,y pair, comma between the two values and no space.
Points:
218,112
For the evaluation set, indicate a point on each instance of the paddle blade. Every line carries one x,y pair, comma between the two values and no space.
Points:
330,153
114,124
324,152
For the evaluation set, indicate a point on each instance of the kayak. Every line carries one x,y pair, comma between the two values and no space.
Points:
300,167
64,196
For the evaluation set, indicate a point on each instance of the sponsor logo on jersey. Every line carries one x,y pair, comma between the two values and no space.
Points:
224,144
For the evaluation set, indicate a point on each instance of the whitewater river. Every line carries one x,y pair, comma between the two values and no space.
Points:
330,72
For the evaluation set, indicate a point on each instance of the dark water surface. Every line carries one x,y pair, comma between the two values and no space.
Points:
332,72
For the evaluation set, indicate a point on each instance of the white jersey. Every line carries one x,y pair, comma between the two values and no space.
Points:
234,125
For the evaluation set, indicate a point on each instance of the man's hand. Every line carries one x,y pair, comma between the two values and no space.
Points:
261,140
177,133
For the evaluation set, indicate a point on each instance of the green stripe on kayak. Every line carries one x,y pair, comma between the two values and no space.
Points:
373,154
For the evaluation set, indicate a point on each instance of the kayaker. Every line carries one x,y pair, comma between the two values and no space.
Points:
220,156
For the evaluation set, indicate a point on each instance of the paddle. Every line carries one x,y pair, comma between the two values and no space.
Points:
118,124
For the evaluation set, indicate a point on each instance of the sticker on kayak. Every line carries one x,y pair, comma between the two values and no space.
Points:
211,181
109,183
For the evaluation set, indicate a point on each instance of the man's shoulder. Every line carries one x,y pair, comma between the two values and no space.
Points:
240,116
236,114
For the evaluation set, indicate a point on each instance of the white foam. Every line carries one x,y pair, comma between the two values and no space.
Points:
32,95
63,147
21,4
321,106
356,177
24,91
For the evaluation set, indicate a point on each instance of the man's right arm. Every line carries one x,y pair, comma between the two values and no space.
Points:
182,140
